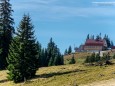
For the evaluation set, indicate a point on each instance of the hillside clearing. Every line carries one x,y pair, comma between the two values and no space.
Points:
66,75
79,56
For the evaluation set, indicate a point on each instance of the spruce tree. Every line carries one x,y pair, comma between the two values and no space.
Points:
53,54
43,58
6,26
58,58
97,38
72,61
69,50
51,61
46,57
66,52
87,60
97,57
92,58
50,48
39,49
23,59
87,37
14,62
103,58
62,60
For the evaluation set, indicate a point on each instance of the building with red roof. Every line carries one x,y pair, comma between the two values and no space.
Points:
95,45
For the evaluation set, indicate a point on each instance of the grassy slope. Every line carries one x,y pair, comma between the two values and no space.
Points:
66,75
78,56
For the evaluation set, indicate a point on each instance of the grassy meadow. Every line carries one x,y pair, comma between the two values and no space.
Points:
66,75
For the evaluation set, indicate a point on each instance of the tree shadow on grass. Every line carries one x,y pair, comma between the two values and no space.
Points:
48,75
57,73
4,80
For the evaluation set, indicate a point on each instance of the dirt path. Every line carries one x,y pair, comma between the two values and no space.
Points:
110,82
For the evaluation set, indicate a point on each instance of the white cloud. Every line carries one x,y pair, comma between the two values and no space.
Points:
46,9
104,3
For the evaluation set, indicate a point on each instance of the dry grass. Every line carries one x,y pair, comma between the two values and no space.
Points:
66,75
78,56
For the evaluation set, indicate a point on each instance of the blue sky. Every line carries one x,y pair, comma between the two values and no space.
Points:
67,21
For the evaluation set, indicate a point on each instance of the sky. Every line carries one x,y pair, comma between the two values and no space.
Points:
67,21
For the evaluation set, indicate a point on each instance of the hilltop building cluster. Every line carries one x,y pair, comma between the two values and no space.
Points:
96,44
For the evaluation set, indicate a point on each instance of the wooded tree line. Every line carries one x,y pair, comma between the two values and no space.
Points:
68,51
97,58
50,56
20,52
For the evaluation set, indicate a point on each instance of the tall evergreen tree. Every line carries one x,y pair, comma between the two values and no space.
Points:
61,60
14,61
23,55
6,26
46,57
50,48
53,54
43,58
97,38
88,37
69,50
58,57
66,52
